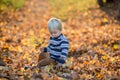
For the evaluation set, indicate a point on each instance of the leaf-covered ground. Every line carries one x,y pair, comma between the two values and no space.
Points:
94,37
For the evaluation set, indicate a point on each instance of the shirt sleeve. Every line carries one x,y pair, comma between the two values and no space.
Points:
45,49
64,48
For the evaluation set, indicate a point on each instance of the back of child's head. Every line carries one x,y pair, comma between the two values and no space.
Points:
54,24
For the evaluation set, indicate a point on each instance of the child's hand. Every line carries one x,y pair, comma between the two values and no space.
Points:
62,58
41,50
58,66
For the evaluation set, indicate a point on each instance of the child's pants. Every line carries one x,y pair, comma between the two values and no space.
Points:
44,59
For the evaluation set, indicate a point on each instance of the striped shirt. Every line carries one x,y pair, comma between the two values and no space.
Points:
58,48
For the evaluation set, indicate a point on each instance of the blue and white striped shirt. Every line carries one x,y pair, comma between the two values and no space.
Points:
58,48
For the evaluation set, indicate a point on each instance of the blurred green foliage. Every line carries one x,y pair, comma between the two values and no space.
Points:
7,4
69,8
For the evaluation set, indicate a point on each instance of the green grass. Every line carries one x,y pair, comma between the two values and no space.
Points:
69,8
7,4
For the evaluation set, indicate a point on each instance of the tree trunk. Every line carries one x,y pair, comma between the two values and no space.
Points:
118,9
100,2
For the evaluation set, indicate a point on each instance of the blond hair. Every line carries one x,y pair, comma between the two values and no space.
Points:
54,24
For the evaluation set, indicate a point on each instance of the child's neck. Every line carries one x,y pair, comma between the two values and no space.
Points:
57,36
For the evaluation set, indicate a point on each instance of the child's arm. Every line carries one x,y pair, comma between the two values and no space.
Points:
64,52
64,47
46,49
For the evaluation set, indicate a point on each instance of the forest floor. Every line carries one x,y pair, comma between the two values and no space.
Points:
94,37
